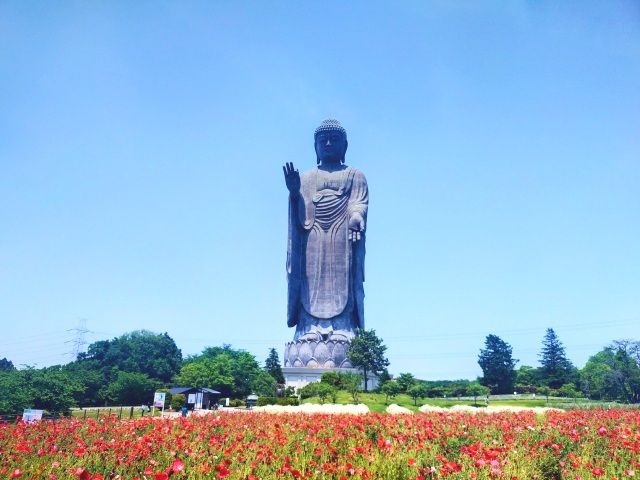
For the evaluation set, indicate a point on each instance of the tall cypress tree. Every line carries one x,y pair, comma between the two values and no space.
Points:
272,366
498,365
556,368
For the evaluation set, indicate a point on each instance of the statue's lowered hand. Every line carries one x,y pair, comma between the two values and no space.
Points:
291,177
356,227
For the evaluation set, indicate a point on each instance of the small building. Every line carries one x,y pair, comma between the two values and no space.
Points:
198,397
252,400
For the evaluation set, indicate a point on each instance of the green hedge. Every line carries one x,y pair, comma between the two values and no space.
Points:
262,401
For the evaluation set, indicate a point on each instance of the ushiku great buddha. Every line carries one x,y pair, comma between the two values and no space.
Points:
326,242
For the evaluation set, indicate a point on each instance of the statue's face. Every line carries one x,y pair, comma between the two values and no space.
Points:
331,146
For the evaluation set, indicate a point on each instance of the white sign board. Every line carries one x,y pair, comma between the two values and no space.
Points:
158,399
192,398
31,415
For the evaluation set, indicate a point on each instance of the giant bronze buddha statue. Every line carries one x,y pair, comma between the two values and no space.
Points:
326,248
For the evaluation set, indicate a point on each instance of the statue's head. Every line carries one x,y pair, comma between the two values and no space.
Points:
330,142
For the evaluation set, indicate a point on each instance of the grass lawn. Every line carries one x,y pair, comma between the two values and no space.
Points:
377,401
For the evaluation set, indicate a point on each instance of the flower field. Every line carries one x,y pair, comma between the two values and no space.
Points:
580,444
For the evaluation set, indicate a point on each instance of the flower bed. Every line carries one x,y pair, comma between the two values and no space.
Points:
579,444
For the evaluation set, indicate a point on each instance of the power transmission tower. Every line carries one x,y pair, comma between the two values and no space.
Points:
79,341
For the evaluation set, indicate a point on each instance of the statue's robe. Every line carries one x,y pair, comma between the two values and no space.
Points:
325,270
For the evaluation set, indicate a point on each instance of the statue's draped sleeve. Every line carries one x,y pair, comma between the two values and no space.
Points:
359,203
300,219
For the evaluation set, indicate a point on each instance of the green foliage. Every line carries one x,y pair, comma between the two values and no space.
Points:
556,369
352,383
568,390
527,379
131,388
51,389
16,394
155,355
497,365
391,388
215,373
544,390
338,380
367,353
273,367
93,381
6,365
335,379
234,373
476,390
612,374
236,403
325,391
434,391
178,400
285,401
309,390
384,376
263,384
418,390
406,381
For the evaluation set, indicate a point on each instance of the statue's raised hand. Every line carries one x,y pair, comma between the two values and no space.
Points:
356,227
291,177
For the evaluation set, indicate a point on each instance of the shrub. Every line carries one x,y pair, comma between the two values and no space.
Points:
177,401
308,391
236,402
262,401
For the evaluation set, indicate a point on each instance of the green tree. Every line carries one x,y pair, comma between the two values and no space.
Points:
263,384
406,381
235,373
215,373
155,355
367,353
131,388
476,390
527,375
391,388
384,376
309,390
53,389
6,365
498,366
568,390
612,375
16,394
418,390
352,383
324,391
435,391
92,380
544,390
332,378
556,369
272,365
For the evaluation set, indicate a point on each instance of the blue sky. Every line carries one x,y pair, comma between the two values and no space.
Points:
141,146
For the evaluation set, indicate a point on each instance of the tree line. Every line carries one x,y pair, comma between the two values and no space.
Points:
127,370
612,374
